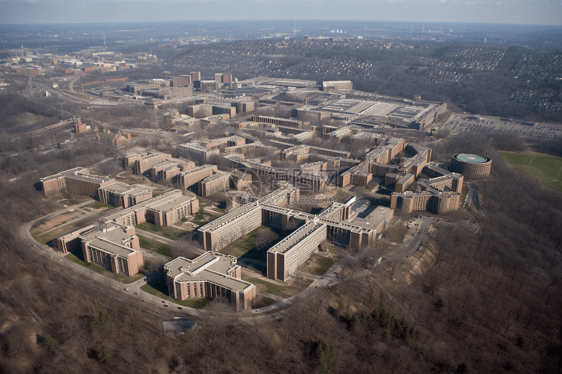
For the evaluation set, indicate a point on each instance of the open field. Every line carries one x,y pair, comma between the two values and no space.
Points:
546,168
45,237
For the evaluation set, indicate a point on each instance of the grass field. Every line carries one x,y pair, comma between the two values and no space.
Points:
99,205
269,287
545,168
156,246
167,232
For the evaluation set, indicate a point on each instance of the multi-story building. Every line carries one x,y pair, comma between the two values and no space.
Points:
193,176
123,195
337,86
197,152
438,203
183,81
76,181
230,110
169,169
208,85
217,182
200,110
210,275
244,106
142,162
195,76
287,255
114,247
162,210
278,121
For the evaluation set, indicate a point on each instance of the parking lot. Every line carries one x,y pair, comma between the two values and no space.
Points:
459,123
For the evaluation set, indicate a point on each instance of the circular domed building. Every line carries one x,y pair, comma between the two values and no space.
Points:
471,166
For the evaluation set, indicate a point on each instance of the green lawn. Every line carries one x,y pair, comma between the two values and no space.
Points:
99,269
326,264
243,245
99,205
545,168
94,267
398,238
167,232
190,303
263,302
270,287
155,245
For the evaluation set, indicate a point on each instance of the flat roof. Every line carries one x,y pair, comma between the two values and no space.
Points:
122,188
466,157
111,240
145,204
78,173
208,267
172,204
298,236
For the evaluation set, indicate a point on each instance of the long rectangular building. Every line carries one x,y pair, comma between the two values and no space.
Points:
287,255
193,176
162,210
123,195
75,181
197,152
210,275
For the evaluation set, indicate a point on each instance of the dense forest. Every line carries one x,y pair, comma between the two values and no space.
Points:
485,302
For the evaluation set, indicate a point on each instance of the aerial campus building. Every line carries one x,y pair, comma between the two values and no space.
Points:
471,166
282,259
76,181
162,210
210,275
114,247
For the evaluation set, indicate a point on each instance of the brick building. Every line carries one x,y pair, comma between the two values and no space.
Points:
193,176
471,166
197,152
211,276
168,170
218,182
114,247
123,195
162,210
76,181
142,162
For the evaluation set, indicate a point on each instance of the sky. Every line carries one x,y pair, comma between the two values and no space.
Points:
539,12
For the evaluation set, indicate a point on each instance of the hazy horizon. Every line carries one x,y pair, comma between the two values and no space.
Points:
516,12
